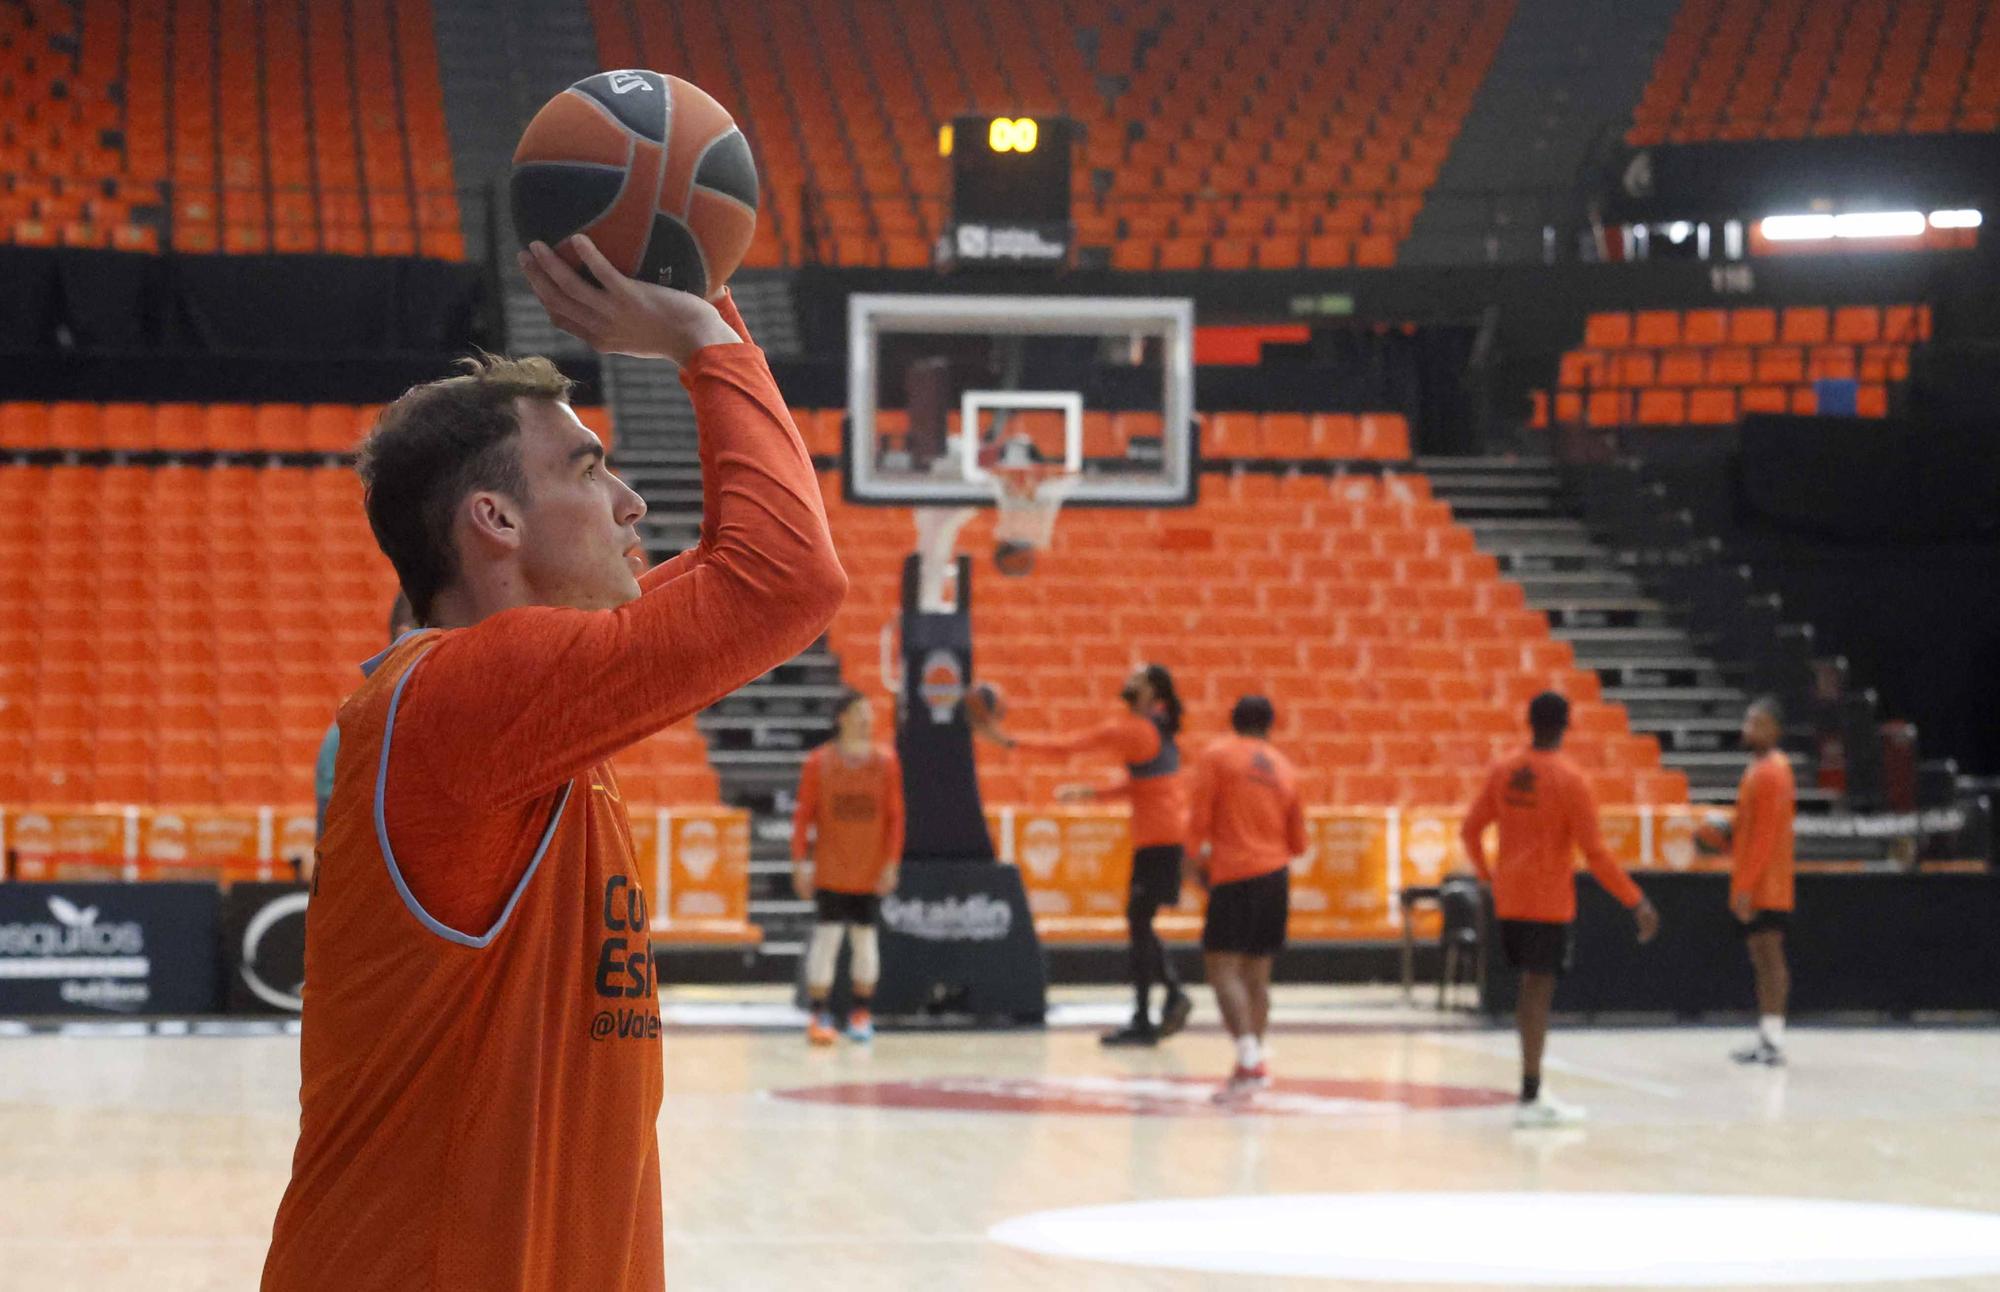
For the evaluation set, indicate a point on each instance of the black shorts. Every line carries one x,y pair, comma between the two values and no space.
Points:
1765,922
1536,946
846,908
1247,916
1156,875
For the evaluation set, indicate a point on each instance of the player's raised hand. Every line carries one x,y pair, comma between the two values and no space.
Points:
620,315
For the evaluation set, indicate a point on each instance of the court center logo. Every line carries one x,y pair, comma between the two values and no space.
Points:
1147,1096
943,686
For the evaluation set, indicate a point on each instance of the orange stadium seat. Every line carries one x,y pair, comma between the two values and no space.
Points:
1710,367
1236,599
267,103
1388,86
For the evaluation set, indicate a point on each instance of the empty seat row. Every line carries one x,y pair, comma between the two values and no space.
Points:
193,428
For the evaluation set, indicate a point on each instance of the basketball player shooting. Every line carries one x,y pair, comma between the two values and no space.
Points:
1143,738
480,1059
1546,815
847,846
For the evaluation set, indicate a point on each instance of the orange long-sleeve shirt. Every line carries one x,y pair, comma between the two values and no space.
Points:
849,818
1547,815
480,1068
1761,861
1157,794
1244,810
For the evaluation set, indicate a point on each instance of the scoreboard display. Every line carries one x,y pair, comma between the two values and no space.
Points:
1010,189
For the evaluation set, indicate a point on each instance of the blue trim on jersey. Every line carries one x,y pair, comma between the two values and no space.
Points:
389,854
373,662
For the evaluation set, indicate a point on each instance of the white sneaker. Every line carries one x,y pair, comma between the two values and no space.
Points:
1547,1111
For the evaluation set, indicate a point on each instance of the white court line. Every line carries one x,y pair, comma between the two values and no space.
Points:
1564,1066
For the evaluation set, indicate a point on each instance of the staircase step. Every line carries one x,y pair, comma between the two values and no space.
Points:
1583,558
1554,586
1571,613
1689,671
1648,704
1625,643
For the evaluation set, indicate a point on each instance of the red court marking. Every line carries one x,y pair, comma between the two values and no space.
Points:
1118,1096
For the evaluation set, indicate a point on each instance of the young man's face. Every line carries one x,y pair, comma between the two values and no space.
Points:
579,521
1138,692
1760,730
857,720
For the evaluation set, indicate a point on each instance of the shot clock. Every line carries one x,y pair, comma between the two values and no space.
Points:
1010,190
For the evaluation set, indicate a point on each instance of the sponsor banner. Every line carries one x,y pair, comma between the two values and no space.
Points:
74,843
264,942
701,868
228,844
110,948
1344,887
957,938
1155,1095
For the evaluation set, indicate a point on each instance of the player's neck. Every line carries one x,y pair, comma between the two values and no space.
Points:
853,748
473,599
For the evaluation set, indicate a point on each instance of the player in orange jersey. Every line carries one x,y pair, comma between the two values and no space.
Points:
1760,881
480,1066
1143,738
1245,827
1547,815
847,843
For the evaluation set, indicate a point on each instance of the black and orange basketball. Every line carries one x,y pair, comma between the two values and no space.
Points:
984,704
650,167
1015,560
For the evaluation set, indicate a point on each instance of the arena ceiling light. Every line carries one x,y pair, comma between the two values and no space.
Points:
1964,219
1849,224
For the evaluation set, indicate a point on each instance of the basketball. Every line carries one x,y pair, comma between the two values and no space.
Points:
1015,560
984,703
1713,834
650,167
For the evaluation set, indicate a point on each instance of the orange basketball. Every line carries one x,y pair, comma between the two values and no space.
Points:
650,167
984,703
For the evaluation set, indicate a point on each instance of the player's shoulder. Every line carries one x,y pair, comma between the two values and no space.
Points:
1222,749
885,754
1775,768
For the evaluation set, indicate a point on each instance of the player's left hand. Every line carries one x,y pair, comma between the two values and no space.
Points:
890,879
1743,906
1647,916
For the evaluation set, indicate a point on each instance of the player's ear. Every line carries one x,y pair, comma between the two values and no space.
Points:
493,520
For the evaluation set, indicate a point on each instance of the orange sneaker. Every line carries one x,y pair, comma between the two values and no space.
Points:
820,1030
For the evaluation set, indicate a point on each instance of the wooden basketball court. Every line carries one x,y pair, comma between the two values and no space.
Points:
150,1161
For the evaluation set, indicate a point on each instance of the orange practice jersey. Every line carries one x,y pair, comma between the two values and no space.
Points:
480,1065
1244,809
1761,852
1546,815
1153,782
849,818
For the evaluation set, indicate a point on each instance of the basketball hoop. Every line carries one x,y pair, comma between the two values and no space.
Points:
1029,496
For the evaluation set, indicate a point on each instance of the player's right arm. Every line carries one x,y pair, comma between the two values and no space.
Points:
805,815
1589,838
1131,739
894,822
527,699
1485,810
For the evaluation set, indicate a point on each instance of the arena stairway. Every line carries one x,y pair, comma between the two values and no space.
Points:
1641,647
490,92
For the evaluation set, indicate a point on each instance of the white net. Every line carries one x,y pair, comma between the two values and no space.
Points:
1029,497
